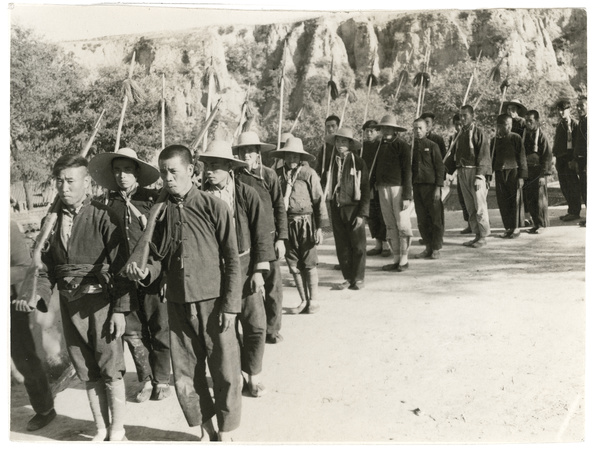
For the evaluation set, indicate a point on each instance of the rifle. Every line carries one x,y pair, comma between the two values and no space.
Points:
28,290
141,252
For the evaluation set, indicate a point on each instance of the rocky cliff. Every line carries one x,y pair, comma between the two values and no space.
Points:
527,44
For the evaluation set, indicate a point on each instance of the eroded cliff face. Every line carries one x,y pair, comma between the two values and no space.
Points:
548,44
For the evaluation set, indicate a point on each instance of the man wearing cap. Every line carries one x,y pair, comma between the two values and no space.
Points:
392,177
566,163
428,180
324,159
304,203
84,257
194,243
509,163
264,180
539,166
516,110
470,157
147,329
349,208
255,245
580,146
371,142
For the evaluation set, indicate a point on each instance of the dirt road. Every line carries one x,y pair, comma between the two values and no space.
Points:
481,346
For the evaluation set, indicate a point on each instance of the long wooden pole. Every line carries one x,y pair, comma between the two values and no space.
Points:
471,79
124,108
281,92
162,113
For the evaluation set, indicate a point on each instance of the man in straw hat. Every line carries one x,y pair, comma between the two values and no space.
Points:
307,214
392,177
428,179
195,245
516,110
539,166
255,245
264,180
147,329
470,158
377,227
510,169
349,208
566,163
85,254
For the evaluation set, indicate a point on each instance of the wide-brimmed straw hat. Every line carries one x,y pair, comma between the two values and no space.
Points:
220,149
521,109
285,136
293,145
344,132
100,168
389,121
251,139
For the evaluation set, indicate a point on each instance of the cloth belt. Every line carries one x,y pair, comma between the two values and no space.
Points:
75,280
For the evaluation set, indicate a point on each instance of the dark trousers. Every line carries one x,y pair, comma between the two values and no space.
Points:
429,211
196,340
350,242
273,297
147,335
507,187
27,362
582,167
569,185
253,320
536,197
301,247
461,200
95,354
376,223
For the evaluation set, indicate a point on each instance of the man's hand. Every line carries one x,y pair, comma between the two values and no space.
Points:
437,194
479,184
521,182
22,306
405,204
279,249
134,273
541,181
257,282
319,236
117,325
226,321
358,222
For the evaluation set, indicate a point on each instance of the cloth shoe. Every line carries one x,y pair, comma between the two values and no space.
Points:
40,420
274,338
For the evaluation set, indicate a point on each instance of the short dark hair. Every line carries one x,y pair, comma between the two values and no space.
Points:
468,108
419,120
176,150
563,104
456,117
427,114
370,124
501,119
69,161
534,113
333,118
112,162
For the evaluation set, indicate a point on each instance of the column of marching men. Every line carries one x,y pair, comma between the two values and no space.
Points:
214,248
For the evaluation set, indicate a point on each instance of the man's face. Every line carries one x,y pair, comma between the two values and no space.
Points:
72,185
513,111
564,113
292,160
370,134
176,175
125,172
217,171
249,154
582,107
466,118
531,123
504,127
428,124
331,127
420,129
388,133
342,144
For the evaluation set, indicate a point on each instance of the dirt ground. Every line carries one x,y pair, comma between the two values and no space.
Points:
481,346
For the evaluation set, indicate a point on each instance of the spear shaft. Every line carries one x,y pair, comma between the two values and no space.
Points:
124,108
